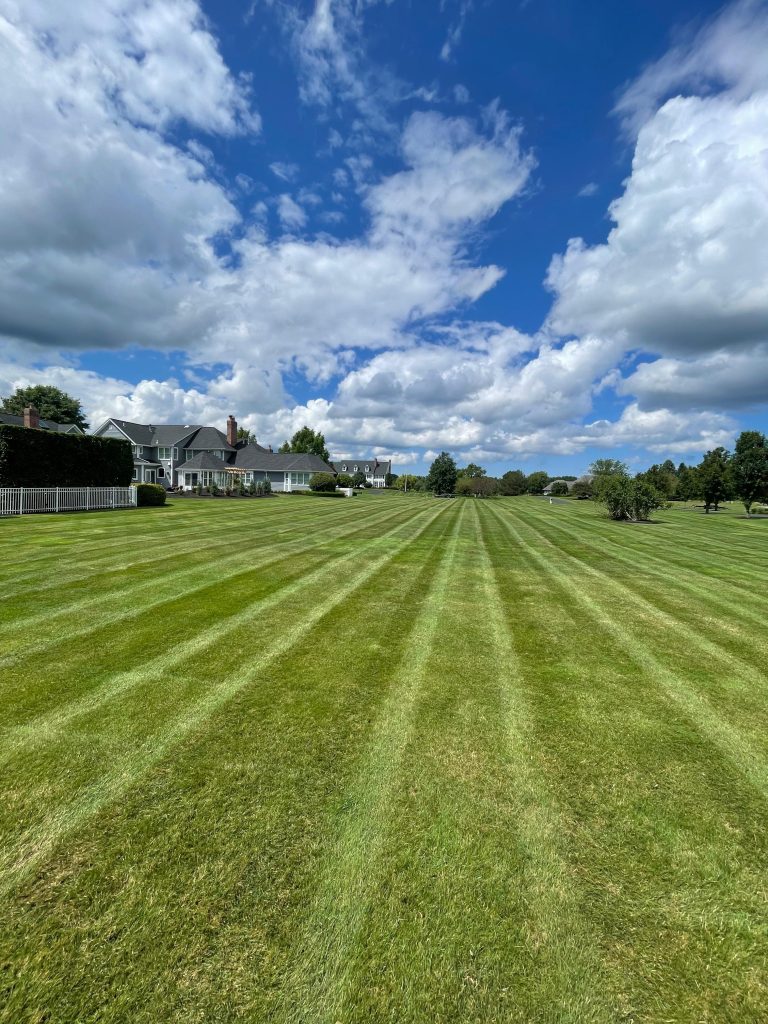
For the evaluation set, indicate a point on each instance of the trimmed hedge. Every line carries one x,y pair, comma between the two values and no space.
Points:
322,482
150,494
41,458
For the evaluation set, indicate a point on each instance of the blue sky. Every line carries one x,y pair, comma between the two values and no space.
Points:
528,233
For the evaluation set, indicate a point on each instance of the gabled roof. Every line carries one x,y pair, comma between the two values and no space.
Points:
165,434
11,420
257,459
209,438
382,465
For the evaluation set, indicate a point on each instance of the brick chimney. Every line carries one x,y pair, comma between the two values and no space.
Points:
31,417
231,430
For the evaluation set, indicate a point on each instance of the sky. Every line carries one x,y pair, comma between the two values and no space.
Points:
528,233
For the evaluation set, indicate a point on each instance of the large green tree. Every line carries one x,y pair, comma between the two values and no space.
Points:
472,471
243,434
513,482
306,440
713,474
536,482
442,475
50,402
749,467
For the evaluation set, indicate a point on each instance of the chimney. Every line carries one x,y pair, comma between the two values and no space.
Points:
231,430
270,447
31,417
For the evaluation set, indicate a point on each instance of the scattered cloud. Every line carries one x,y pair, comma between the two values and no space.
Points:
284,171
455,29
590,189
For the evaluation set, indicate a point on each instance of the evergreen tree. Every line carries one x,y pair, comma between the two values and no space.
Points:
713,478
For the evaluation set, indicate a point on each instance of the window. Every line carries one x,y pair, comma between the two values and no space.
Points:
163,453
300,478
161,471
367,469
136,450
175,454
135,474
189,454
344,468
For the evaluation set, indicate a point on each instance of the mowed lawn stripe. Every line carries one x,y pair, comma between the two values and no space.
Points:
567,973
180,581
659,565
729,739
210,861
664,835
36,843
321,981
84,661
735,687
201,532
42,729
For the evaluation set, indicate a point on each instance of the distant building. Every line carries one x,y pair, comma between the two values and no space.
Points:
185,455
31,419
375,469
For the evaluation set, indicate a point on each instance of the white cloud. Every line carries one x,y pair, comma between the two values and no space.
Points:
727,53
292,216
284,171
456,30
726,379
590,189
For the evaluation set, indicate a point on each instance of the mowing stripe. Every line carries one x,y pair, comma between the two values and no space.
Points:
180,584
702,589
158,552
745,670
320,979
569,944
722,735
38,842
645,542
43,728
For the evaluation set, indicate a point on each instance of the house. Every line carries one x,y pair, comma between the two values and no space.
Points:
31,419
375,471
548,488
185,455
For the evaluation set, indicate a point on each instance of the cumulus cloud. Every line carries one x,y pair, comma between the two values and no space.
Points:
292,216
682,273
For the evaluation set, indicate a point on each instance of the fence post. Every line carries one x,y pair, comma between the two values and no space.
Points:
21,501
57,499
87,498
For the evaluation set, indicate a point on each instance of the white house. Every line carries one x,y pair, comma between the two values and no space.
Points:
375,470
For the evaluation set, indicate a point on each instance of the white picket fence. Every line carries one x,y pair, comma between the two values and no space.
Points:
22,501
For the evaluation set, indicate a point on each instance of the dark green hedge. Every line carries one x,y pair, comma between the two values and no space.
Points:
150,494
40,458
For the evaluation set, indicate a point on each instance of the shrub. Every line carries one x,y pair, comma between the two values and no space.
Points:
344,480
198,489
559,487
252,488
41,458
322,482
368,484
267,487
150,494
213,488
630,499
464,486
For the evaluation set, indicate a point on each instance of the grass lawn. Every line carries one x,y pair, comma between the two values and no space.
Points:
383,761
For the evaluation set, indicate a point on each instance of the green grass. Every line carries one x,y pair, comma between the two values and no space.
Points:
387,761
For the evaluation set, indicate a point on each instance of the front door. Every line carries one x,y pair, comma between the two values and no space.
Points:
149,476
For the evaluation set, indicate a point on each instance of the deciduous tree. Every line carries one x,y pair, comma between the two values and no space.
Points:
749,468
442,475
50,402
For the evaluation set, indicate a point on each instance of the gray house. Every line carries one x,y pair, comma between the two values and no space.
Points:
375,470
185,455
31,418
